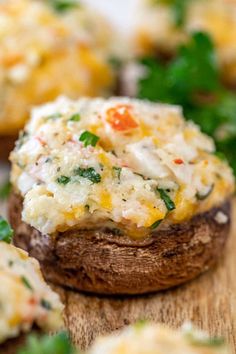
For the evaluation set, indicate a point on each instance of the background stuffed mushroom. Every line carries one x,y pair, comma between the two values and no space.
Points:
49,48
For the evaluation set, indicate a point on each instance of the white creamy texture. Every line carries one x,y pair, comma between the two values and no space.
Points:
156,28
45,53
156,339
142,146
25,298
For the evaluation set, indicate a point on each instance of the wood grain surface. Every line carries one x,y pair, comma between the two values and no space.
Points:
209,302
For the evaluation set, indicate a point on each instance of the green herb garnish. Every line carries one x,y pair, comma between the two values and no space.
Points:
56,344
75,117
6,231
88,138
88,173
156,224
53,116
22,138
46,304
5,190
204,341
26,282
192,80
179,10
170,205
117,171
202,196
64,5
63,180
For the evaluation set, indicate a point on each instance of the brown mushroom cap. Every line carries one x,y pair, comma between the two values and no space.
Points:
100,262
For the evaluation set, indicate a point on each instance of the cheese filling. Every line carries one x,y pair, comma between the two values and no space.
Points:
25,299
119,162
45,53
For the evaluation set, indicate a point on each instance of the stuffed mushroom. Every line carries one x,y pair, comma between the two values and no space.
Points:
118,196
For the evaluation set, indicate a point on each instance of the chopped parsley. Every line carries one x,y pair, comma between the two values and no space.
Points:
6,231
192,80
170,205
117,171
88,138
179,10
46,304
204,341
5,190
75,117
88,173
63,180
202,196
56,344
53,116
156,224
22,138
26,282
64,5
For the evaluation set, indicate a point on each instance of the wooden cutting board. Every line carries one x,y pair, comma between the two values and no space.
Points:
208,301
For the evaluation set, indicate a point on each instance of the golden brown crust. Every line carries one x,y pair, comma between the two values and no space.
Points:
6,146
101,262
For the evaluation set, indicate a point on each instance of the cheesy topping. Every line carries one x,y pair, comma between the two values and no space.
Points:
156,339
119,162
45,53
156,28
25,299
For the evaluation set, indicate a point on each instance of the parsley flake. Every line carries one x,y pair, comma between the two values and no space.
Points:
63,180
88,173
6,231
88,138
170,205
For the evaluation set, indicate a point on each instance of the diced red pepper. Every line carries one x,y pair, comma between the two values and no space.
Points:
120,118
178,161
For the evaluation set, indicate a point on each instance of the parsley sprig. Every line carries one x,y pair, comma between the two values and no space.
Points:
192,80
6,231
179,10
63,5
57,344
88,138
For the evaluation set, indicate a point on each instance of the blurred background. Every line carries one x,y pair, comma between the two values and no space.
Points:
172,51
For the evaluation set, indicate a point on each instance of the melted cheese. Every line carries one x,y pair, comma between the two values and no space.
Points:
130,163
44,54
156,29
156,339
24,296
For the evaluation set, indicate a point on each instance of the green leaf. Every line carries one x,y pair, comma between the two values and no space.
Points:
46,304
53,116
88,173
5,190
88,138
156,224
170,205
205,341
75,117
6,231
191,80
26,282
203,196
57,344
64,5
179,9
117,171
63,180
